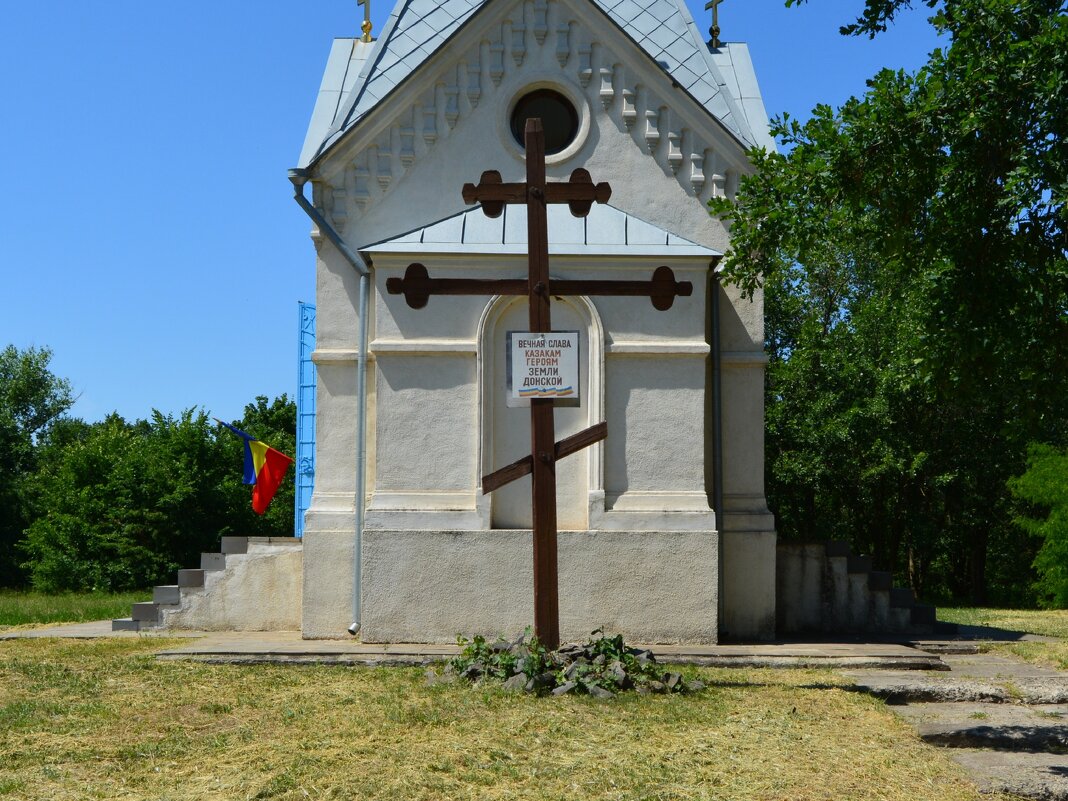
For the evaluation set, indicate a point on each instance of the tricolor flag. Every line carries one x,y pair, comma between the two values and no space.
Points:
264,468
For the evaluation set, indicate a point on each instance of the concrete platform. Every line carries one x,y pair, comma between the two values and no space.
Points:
1005,721
1026,774
253,647
250,647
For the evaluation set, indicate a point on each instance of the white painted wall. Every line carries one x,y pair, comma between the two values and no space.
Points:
427,448
257,591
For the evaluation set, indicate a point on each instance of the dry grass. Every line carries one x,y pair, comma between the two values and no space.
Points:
103,719
1048,654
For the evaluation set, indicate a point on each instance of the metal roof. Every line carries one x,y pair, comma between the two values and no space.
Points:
666,31
416,29
736,66
343,66
606,231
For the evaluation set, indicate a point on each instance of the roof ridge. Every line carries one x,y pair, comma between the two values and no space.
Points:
345,121
704,48
358,88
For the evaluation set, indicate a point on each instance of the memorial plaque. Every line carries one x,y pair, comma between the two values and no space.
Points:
543,365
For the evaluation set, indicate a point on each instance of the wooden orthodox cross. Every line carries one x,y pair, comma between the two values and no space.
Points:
579,193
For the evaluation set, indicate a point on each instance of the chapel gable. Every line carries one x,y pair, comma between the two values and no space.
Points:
645,71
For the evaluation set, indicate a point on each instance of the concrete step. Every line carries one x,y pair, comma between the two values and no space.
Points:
859,602
234,545
924,615
880,580
824,587
835,603
859,564
191,578
838,548
879,609
167,594
212,561
982,678
145,612
901,598
900,619
125,624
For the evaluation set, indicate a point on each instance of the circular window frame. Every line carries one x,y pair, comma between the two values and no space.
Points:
559,108
570,93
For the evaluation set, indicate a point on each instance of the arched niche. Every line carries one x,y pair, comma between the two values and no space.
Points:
504,433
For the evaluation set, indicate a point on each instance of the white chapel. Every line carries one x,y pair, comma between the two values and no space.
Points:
665,535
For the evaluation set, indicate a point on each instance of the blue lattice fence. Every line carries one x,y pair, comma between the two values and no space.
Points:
305,416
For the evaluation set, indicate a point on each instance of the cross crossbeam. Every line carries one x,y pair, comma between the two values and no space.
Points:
525,466
417,286
579,193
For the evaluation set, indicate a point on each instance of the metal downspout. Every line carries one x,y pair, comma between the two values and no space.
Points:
298,178
717,427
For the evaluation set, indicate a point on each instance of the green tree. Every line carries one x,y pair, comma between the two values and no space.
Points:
32,402
121,506
911,247
1045,487
124,505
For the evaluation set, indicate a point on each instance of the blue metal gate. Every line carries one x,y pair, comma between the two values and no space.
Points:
305,416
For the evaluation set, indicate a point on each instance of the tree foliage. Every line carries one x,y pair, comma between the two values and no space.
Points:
32,399
911,246
1045,487
120,505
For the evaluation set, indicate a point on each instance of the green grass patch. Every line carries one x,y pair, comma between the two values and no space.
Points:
104,719
29,608
1048,654
1045,622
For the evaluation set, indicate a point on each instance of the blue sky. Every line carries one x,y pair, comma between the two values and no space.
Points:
148,234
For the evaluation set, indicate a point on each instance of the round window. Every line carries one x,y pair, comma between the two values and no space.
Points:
559,119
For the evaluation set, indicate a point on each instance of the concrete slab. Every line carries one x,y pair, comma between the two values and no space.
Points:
1012,727
1005,721
289,646
1031,775
983,678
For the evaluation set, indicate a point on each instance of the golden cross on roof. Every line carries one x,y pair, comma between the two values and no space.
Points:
366,25
714,30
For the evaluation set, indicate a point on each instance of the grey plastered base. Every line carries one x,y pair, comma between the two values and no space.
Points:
430,586
259,590
328,572
749,585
